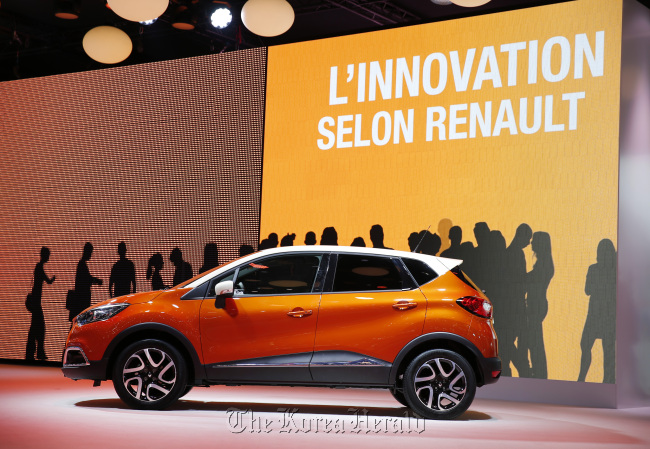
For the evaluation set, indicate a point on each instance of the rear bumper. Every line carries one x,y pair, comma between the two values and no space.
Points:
491,369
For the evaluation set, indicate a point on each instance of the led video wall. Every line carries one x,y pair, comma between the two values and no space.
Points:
492,139
158,156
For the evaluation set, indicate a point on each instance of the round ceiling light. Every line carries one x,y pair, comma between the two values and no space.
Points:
267,17
469,3
138,10
108,45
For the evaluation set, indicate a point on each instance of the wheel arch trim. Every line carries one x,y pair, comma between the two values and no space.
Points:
433,338
118,342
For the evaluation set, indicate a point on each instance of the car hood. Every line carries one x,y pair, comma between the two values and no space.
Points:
135,298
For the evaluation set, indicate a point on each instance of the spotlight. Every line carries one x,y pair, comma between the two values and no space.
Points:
221,17
148,22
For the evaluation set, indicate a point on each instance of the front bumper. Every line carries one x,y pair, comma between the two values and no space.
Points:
77,366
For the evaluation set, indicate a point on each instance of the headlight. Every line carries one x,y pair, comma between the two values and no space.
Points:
100,313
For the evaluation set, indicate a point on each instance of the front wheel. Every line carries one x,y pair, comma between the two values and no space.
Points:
439,384
149,375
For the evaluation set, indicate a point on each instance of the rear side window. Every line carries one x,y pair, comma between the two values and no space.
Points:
356,273
463,277
421,272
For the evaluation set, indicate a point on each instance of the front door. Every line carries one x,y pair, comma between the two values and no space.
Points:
266,331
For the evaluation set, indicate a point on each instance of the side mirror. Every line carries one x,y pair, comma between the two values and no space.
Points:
223,290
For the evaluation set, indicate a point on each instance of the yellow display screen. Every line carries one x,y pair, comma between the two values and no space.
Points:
506,119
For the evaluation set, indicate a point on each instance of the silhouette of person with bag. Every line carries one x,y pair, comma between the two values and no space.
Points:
36,334
82,284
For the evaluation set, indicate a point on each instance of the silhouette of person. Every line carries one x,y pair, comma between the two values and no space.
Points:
413,240
444,226
601,289
492,269
244,250
210,257
358,241
83,282
454,251
154,266
479,259
183,270
429,243
273,240
329,236
264,244
377,237
310,238
538,280
36,334
513,317
287,240
122,275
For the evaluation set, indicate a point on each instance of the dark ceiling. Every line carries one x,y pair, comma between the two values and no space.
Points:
33,42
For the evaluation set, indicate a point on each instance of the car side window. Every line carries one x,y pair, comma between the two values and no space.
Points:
421,272
285,274
366,273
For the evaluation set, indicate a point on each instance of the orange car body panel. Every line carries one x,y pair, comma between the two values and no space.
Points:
445,315
167,308
367,323
258,326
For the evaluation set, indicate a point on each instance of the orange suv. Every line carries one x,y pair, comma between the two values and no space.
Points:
310,316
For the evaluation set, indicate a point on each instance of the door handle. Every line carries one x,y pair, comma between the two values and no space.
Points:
299,312
404,305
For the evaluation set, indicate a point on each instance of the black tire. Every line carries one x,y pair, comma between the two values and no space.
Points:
187,390
399,396
439,384
149,375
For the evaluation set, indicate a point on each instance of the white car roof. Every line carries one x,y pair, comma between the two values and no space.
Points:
439,264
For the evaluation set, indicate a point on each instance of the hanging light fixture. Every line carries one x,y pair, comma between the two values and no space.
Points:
108,45
66,9
138,10
267,17
469,3
184,18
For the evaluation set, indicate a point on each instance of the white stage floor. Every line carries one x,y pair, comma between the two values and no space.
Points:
39,408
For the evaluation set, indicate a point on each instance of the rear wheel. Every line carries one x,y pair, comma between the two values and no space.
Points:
399,396
150,374
439,384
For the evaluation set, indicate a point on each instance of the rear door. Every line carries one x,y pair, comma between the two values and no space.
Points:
371,310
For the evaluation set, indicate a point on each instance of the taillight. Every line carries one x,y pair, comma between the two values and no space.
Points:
478,306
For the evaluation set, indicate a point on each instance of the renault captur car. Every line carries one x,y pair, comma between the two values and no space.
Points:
302,316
